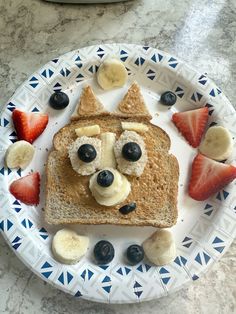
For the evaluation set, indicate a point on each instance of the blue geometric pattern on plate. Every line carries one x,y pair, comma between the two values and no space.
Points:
24,229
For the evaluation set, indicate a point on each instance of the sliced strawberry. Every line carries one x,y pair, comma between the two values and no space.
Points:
191,124
208,177
26,189
29,125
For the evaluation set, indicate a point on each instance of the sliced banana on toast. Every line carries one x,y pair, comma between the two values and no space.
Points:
107,150
113,194
112,73
90,130
68,247
19,154
160,247
217,144
134,126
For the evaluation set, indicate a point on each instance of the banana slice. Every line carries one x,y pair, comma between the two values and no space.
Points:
217,144
112,195
134,126
115,199
68,247
19,155
108,158
109,191
160,247
88,130
112,73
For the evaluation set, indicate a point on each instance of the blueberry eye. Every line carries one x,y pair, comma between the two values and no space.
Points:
105,178
87,153
131,151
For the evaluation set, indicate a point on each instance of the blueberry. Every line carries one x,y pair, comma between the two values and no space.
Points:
168,98
131,151
126,209
59,100
104,252
87,153
135,254
105,178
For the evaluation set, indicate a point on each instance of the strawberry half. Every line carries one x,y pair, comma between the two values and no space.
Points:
29,125
26,189
208,177
191,124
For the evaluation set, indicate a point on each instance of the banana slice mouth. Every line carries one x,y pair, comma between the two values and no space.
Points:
112,195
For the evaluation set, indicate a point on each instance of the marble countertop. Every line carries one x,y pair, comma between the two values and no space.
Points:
201,32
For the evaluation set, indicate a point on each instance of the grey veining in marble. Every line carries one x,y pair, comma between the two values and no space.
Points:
201,32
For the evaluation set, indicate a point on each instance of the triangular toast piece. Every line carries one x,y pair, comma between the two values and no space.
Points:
133,102
88,105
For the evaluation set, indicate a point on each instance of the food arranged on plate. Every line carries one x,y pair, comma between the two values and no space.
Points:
115,168
207,176
89,178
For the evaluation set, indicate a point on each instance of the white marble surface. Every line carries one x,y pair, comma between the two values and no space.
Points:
202,32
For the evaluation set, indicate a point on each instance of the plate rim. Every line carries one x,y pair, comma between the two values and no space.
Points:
5,235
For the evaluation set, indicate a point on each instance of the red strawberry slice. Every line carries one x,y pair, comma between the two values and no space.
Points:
26,189
208,177
29,125
191,124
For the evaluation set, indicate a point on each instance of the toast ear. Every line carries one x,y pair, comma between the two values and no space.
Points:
133,102
88,105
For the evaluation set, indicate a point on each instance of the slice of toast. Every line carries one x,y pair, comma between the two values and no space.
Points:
69,199
88,105
133,100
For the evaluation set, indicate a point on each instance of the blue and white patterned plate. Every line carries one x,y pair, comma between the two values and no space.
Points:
204,230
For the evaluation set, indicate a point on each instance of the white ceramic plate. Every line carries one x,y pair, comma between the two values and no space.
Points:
204,230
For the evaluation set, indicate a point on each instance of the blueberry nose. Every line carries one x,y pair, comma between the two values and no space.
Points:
105,178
